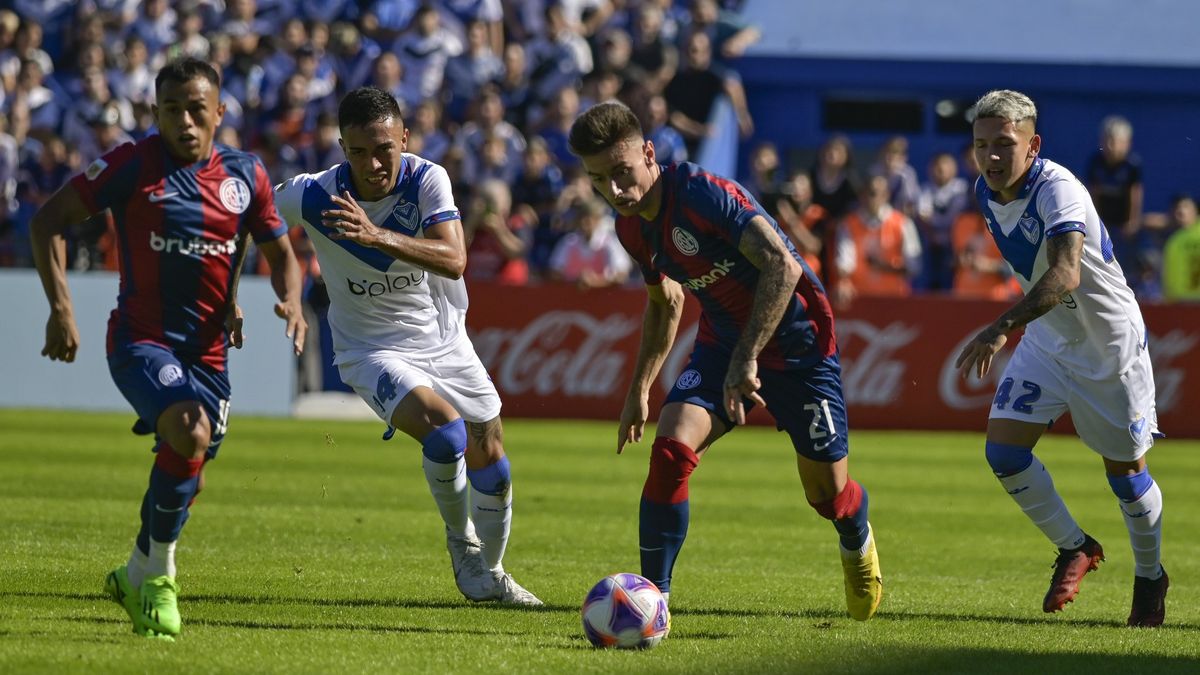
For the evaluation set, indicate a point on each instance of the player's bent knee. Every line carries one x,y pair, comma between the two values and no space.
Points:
493,479
446,443
845,505
671,462
175,464
1007,460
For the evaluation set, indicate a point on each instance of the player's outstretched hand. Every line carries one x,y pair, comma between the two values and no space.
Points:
62,338
741,382
633,421
233,326
297,327
977,355
349,221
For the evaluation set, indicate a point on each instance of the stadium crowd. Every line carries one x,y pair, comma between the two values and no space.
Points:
489,89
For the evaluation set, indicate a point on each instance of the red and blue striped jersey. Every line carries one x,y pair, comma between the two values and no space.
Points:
177,229
694,241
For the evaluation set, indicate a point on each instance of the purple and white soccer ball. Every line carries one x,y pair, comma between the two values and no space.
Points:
625,611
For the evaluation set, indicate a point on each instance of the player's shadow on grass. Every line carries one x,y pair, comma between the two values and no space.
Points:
311,625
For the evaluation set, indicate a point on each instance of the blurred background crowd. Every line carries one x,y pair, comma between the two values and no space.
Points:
489,89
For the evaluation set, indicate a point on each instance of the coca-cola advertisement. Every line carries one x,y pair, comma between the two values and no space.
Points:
556,351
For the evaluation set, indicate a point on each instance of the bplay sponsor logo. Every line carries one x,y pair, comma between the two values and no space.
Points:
389,283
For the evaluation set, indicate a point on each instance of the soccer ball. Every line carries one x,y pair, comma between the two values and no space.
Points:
625,611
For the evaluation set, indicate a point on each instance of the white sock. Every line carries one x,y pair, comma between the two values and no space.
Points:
1143,517
448,484
161,562
136,567
1034,492
493,518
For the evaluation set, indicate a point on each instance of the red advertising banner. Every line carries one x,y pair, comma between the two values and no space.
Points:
555,351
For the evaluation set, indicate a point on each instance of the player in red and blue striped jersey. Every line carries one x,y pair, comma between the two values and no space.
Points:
766,338
179,202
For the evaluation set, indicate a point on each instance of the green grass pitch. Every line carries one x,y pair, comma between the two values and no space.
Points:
317,549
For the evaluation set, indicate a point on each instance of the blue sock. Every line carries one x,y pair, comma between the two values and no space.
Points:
170,495
853,531
661,531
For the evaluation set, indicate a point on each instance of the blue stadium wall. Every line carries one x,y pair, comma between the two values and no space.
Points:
787,97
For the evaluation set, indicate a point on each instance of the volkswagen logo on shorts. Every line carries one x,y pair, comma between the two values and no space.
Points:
684,241
170,375
235,195
688,379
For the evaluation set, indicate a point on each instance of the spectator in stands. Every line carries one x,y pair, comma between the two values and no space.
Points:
189,38
133,80
155,26
589,254
835,184
980,272
729,34
669,145
807,224
490,13
654,59
939,205
321,78
426,121
241,17
878,247
425,52
1181,255
515,87
468,72
488,122
385,20
324,151
1114,178
105,134
27,44
892,163
80,115
44,112
559,57
765,171
243,77
354,55
388,74
535,195
496,239
556,125
696,87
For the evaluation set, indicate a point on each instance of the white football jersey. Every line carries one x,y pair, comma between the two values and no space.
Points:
376,301
1097,332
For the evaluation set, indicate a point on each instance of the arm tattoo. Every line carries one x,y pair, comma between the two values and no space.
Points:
1064,252
776,285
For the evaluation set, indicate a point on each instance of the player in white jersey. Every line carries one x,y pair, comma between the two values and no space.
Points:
1084,351
390,244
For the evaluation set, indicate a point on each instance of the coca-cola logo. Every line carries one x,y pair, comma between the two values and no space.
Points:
560,352
970,393
870,374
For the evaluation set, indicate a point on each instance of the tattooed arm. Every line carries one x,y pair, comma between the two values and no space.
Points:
778,273
1064,252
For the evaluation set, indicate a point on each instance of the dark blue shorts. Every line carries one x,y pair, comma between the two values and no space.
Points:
807,404
153,379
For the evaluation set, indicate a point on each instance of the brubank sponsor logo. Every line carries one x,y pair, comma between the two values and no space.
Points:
559,353
717,273
389,283
196,246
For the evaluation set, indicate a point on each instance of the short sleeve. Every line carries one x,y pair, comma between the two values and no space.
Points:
436,198
1062,204
264,221
289,198
109,179
719,205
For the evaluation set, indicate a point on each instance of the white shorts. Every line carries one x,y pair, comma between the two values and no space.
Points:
382,378
1115,417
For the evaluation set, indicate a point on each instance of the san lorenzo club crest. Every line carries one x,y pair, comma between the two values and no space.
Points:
235,195
684,241
688,379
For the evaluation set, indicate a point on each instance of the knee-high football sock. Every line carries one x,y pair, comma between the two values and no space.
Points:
173,483
1029,484
664,514
848,513
1141,505
491,509
446,472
